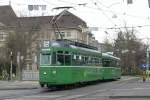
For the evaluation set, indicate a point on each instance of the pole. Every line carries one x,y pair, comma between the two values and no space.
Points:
11,65
18,62
147,56
10,2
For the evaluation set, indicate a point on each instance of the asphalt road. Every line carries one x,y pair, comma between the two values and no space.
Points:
115,90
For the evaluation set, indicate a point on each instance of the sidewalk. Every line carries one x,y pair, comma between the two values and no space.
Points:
125,78
16,85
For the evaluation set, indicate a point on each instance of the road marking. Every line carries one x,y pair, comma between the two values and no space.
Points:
141,88
130,89
83,95
43,96
35,97
70,97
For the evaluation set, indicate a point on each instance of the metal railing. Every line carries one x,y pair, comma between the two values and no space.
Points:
29,75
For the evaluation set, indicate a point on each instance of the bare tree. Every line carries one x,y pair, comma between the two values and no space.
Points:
129,49
108,46
4,63
20,41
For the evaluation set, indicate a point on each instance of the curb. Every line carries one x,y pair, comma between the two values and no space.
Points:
130,79
19,88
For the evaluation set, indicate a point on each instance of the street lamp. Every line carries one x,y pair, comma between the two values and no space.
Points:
11,65
147,61
147,56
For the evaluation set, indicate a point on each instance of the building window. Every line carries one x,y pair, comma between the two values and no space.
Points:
63,34
3,36
58,34
68,34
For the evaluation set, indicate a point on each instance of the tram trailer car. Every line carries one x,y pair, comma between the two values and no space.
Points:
62,64
111,68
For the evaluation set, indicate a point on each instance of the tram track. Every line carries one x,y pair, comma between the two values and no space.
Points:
113,85
70,93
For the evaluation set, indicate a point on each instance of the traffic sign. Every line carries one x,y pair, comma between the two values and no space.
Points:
143,66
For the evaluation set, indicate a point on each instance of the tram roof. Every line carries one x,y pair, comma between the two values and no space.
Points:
108,56
84,49
65,44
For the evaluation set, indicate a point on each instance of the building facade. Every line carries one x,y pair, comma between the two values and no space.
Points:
35,29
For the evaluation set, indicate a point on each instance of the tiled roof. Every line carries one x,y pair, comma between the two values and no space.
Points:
7,15
33,22
70,20
9,18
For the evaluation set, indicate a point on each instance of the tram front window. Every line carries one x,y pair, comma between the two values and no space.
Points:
45,59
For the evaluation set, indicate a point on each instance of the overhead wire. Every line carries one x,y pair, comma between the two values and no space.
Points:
109,19
67,2
124,14
111,11
108,7
108,10
50,3
138,26
103,11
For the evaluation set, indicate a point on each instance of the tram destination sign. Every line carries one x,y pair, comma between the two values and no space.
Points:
46,43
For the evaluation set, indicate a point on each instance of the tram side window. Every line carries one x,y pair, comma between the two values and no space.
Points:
82,60
77,60
63,58
97,61
73,59
89,60
115,63
106,63
92,60
100,61
86,60
60,59
67,59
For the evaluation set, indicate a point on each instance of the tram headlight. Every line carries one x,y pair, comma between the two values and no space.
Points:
44,73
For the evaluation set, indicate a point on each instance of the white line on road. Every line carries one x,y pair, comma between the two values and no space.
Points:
130,89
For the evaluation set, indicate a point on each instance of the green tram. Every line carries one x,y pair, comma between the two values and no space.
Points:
64,63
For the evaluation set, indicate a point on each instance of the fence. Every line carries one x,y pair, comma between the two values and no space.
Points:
28,75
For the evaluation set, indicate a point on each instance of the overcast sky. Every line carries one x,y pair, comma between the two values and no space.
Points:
103,14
